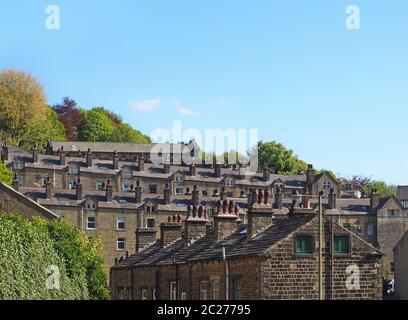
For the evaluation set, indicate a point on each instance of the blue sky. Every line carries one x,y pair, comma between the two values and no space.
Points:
288,68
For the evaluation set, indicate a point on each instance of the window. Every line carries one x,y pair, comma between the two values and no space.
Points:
392,266
73,170
204,193
91,206
183,296
178,178
229,182
216,289
370,229
150,209
121,244
121,224
203,290
326,185
151,222
359,229
72,184
20,180
346,226
341,244
152,188
179,191
18,165
304,244
91,223
126,186
99,185
236,289
153,294
126,174
393,213
144,294
173,291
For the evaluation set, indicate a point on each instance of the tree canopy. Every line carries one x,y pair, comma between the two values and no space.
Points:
6,175
33,253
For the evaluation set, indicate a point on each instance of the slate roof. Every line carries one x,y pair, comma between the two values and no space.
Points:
402,192
237,245
351,207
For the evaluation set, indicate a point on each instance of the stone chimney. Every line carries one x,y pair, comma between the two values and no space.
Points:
145,237
310,177
79,190
332,199
171,231
138,192
109,191
374,200
225,221
62,156
48,188
195,223
217,170
15,182
260,217
35,154
267,174
166,194
141,163
278,198
5,152
195,196
166,168
115,160
89,158
192,170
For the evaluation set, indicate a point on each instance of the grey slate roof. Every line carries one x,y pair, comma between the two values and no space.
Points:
402,192
237,245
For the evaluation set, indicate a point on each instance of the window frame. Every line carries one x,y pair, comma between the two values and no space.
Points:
215,289
173,290
203,290
153,186
88,222
121,240
118,221
234,290
150,219
144,294
348,244
312,247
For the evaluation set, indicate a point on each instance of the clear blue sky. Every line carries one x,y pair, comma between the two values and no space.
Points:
289,68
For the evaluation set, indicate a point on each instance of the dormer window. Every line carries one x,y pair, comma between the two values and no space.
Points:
18,165
126,173
326,185
91,206
150,208
229,182
179,178
73,170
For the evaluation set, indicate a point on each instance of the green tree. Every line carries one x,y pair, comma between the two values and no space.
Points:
49,129
97,126
278,159
125,133
6,175
384,189
22,105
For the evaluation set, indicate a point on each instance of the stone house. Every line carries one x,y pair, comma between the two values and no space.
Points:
401,268
274,256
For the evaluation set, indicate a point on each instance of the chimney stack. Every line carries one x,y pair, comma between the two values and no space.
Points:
89,158
260,217
138,192
166,194
48,188
192,170
267,174
166,168
79,191
141,162
62,156
217,170
115,160
225,221
35,154
109,191
374,200
195,196
278,198
332,199
5,152
195,223
145,237
170,231
310,177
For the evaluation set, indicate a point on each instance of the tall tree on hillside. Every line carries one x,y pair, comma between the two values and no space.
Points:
278,159
125,133
70,116
22,104
97,126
